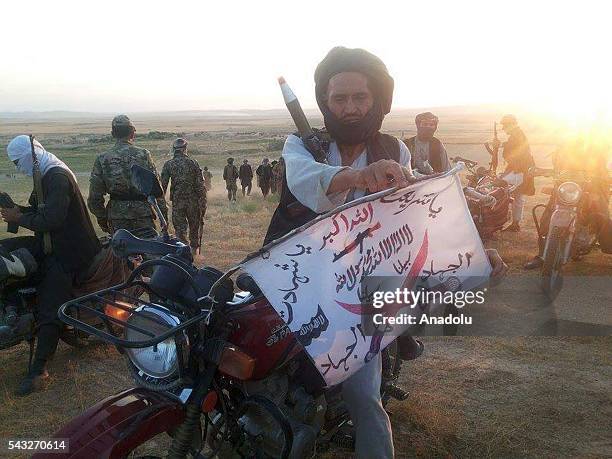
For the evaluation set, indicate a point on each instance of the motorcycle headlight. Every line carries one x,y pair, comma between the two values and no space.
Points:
569,193
156,365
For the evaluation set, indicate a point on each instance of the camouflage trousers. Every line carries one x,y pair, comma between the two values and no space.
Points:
131,224
231,187
187,214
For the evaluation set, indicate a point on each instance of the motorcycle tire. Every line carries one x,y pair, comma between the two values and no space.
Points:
551,277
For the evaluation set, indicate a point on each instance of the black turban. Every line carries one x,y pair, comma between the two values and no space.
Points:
341,59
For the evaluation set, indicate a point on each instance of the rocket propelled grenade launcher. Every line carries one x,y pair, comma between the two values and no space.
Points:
309,137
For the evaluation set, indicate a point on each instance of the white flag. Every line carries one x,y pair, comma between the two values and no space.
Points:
313,277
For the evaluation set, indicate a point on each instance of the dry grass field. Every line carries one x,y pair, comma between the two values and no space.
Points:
470,397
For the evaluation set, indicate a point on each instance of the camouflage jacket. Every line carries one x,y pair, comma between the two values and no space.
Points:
111,175
187,181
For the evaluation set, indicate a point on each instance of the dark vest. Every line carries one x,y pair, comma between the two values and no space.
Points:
75,244
291,213
435,153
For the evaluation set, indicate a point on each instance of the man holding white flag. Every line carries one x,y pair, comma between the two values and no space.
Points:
354,92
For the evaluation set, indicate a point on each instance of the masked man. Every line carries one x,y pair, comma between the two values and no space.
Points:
427,153
73,244
354,92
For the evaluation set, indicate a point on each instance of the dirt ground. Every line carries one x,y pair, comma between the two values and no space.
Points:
469,397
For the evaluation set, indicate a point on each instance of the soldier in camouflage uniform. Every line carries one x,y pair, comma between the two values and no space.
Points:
187,193
111,175
230,175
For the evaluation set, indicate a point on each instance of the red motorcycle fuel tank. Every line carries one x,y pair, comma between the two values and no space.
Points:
262,334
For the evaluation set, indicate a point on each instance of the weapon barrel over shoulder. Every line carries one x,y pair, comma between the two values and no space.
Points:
311,140
295,109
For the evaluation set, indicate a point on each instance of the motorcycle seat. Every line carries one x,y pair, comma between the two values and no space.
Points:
245,282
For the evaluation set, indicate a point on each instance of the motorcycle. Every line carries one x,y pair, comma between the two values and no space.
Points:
214,368
19,294
488,197
571,233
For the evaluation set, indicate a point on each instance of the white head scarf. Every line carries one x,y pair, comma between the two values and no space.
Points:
19,149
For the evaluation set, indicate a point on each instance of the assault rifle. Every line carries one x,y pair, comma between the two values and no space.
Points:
493,149
38,190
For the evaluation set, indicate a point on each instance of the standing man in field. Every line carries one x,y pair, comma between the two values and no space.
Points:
187,193
264,176
246,177
207,178
111,174
278,173
273,184
230,175
354,92
427,153
517,154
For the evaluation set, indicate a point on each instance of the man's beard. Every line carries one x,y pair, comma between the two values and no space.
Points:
425,134
356,132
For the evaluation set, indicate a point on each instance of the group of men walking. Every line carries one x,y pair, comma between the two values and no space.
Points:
269,177
127,208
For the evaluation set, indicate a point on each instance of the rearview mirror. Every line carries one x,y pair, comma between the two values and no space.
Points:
146,182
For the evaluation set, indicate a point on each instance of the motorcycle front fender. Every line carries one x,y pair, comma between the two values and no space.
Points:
118,424
563,217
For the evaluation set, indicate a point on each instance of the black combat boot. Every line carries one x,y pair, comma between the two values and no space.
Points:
46,343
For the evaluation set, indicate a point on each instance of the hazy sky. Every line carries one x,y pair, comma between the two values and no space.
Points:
130,56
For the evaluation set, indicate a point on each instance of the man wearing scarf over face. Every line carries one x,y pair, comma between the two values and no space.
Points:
354,92
73,241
